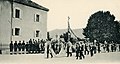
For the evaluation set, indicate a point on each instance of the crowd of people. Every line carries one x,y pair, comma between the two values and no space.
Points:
30,47
60,47
81,48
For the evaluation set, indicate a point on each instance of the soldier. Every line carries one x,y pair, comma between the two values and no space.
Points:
94,49
81,51
0,51
23,47
48,50
69,49
11,47
107,47
99,48
30,46
112,47
15,47
86,49
33,45
42,46
27,47
36,46
77,50
91,50
119,47
19,47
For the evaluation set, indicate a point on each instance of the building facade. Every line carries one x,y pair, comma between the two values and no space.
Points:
22,20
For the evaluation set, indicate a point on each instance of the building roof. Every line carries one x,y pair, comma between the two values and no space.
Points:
31,4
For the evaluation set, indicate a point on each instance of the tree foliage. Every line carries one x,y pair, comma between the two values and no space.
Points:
102,27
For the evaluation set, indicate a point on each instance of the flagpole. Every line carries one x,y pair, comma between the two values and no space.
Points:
68,28
68,23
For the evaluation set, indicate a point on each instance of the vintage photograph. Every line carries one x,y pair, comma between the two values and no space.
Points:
59,31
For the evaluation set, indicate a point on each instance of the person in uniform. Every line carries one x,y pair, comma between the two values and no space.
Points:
30,46
112,47
11,47
15,47
27,47
39,46
99,48
81,51
91,50
119,47
86,49
23,47
94,48
69,49
19,47
107,47
33,46
77,50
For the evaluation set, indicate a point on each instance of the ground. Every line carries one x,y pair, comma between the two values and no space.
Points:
99,58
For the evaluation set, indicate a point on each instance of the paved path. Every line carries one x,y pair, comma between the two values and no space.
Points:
102,58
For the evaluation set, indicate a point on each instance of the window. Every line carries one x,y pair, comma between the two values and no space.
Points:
17,31
37,18
17,13
37,33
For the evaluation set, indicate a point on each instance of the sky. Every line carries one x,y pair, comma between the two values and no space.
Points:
79,11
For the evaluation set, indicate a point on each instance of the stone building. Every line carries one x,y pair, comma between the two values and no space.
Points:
22,20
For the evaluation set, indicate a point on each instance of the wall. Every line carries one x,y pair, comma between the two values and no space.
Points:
5,22
26,23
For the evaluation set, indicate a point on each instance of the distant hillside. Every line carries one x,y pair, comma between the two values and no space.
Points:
78,32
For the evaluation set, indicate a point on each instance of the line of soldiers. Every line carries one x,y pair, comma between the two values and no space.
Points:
32,46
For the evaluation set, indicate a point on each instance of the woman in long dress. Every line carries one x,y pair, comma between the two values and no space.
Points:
63,50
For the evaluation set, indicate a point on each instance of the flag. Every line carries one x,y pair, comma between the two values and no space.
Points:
68,17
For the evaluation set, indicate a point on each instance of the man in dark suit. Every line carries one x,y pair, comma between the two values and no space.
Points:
81,51
11,47
77,50
15,47
23,47
19,47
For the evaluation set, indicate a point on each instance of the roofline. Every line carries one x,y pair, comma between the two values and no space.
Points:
45,9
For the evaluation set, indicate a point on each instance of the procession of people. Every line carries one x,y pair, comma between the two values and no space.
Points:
58,47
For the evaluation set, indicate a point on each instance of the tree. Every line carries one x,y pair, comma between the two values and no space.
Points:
102,27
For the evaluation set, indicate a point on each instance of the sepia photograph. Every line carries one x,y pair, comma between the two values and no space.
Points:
59,32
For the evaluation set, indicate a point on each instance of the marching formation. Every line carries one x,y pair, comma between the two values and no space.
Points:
52,48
